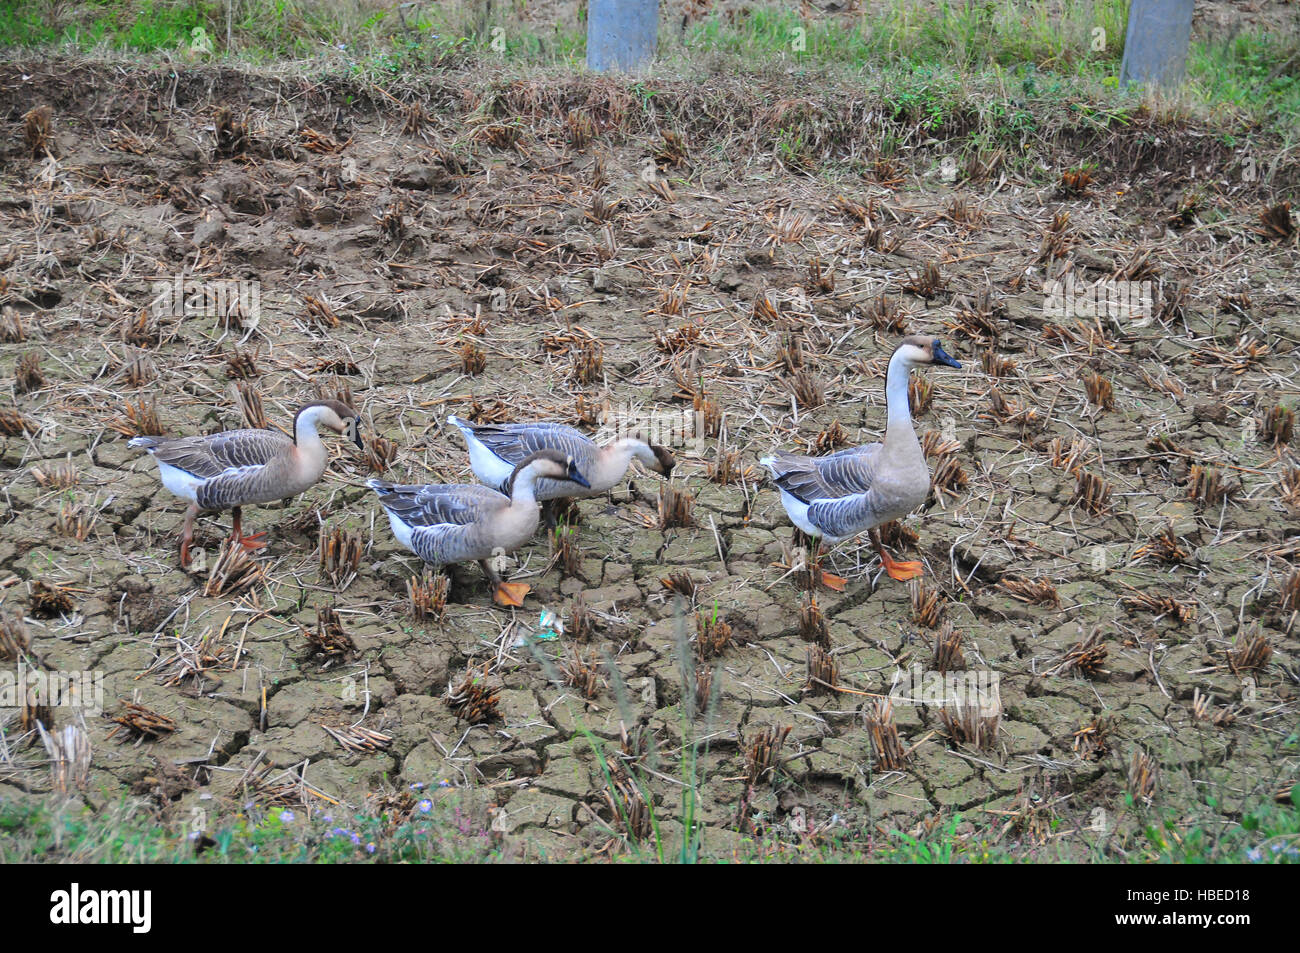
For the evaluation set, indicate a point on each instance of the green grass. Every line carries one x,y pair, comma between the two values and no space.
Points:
447,827
1254,74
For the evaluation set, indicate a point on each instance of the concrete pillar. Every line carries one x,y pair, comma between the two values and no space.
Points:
621,34
1155,49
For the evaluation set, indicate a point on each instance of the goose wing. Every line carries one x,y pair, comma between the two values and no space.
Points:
833,477
219,454
515,442
437,504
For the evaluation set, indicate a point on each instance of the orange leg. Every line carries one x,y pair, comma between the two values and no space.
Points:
829,580
505,593
256,541
902,571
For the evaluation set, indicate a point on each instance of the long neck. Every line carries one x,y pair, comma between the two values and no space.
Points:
523,489
899,429
612,461
308,446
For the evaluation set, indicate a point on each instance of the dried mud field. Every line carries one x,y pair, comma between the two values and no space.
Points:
1111,531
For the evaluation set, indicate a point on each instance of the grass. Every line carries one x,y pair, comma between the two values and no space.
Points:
447,826
1254,75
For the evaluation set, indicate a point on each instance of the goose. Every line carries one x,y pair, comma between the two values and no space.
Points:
453,523
235,468
496,449
839,496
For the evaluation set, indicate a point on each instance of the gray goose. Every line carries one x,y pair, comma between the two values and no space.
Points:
235,468
839,496
496,449
451,523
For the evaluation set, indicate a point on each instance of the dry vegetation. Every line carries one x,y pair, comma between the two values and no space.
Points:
1107,531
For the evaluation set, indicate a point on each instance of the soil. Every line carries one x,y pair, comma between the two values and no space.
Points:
478,230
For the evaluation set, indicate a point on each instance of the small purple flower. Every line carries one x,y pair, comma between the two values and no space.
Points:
425,806
356,839
1254,855
444,783
286,816
370,848
328,819
417,786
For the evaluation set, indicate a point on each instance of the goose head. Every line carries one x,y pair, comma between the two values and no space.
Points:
656,458
921,350
547,464
331,414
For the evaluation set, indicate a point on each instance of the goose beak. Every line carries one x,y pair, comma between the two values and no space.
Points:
577,477
943,357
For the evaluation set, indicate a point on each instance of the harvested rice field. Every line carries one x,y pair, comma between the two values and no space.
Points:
1110,543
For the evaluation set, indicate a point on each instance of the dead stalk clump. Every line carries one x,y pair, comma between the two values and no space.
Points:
232,136
713,636
1099,391
64,477
11,326
671,151
676,508
937,445
14,424
812,623
725,467
830,439
1206,486
472,359
882,730
427,595
763,754
140,723
823,671
581,674
48,602
1056,241
807,389
1289,487
1289,589
241,365
1252,655
580,129
319,313
339,552
766,310
821,277
1092,491
588,362
15,640
76,520
948,654
709,413
681,583
581,622
1074,182
995,365
972,722
38,130
927,282
329,639
920,394
927,604
139,418
1181,612
234,571
1165,547
1038,592
1277,425
250,404
1142,777
472,700
1092,741
949,479
885,315
1087,656
1277,221
28,375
